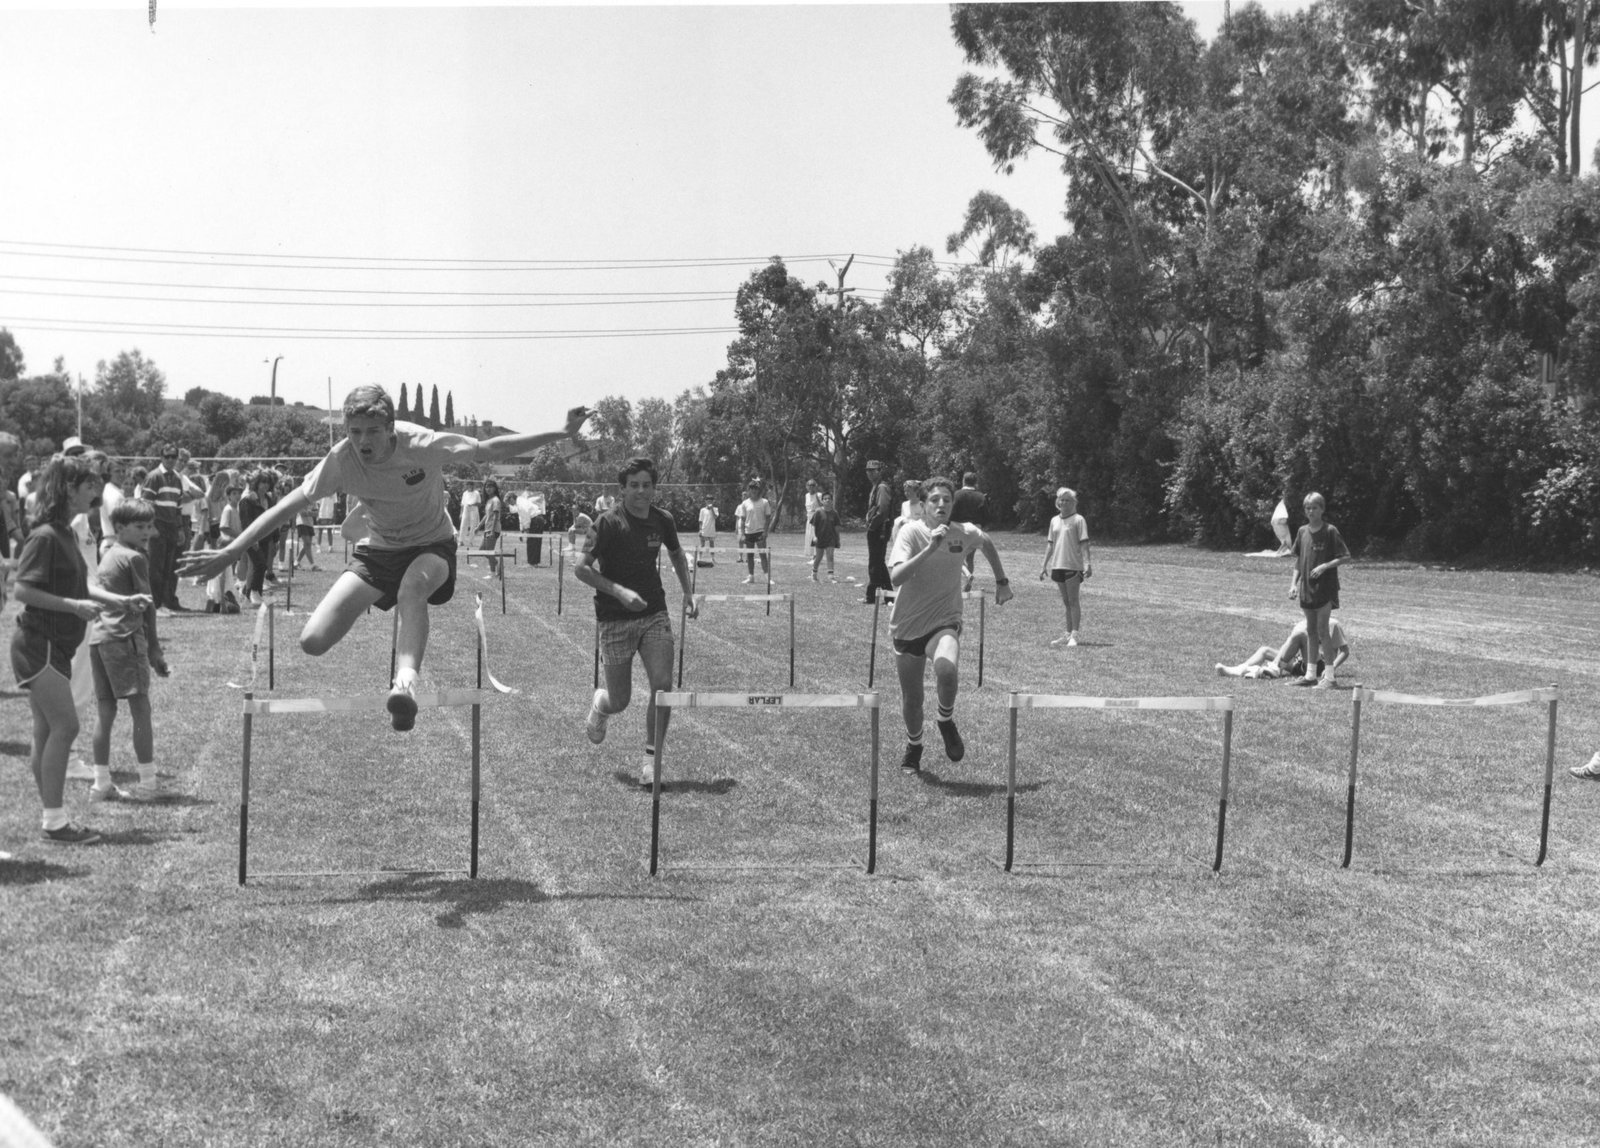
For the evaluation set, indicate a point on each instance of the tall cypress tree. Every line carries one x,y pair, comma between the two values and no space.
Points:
404,412
433,407
450,408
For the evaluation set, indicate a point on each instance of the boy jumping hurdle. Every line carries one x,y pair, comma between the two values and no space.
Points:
408,559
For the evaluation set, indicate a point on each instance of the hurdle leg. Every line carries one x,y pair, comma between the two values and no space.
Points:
655,788
288,586
768,556
597,653
477,757
872,654
982,603
1350,795
1549,774
1011,781
272,648
1222,804
683,638
561,574
502,580
244,794
872,800
791,643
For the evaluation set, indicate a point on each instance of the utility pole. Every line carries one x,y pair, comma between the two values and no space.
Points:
80,406
330,412
272,398
840,291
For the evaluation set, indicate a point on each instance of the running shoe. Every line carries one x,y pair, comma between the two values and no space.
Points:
402,709
71,834
647,773
109,793
596,725
1065,639
911,762
1590,771
954,748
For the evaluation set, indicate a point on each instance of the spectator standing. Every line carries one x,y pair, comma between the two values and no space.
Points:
165,489
880,521
971,505
752,521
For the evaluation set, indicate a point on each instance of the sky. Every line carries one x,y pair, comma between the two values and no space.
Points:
530,207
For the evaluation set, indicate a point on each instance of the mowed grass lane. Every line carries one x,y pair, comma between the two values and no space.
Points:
763,989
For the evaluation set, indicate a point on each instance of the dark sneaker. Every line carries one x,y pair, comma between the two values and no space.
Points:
912,761
71,834
1304,682
402,709
954,748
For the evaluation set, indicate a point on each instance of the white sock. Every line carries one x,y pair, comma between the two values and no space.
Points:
55,818
102,776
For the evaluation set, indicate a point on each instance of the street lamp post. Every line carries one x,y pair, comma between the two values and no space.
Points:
272,399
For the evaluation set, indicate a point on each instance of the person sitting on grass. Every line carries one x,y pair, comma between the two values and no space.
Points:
1290,658
408,556
927,569
58,602
630,604
120,656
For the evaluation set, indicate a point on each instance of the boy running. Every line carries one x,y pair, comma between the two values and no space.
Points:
927,568
408,557
630,604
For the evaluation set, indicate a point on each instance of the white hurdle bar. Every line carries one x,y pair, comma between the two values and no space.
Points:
1019,701
701,599
1545,695
254,706
666,699
738,553
882,596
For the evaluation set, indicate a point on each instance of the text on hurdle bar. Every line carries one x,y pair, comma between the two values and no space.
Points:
702,598
691,700
1543,694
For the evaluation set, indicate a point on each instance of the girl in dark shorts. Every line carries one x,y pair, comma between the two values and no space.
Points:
1319,551
58,602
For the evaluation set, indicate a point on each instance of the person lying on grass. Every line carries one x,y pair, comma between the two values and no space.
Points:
408,557
927,569
1290,658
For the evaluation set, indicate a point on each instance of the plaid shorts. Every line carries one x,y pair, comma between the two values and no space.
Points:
620,640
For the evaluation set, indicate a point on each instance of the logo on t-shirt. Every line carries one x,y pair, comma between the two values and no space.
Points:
652,539
412,477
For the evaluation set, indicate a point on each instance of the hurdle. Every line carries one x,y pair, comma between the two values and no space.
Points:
701,599
739,553
1545,695
254,706
1021,701
500,572
665,699
883,596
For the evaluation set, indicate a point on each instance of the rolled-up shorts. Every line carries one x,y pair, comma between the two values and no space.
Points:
32,653
621,639
121,667
918,647
383,570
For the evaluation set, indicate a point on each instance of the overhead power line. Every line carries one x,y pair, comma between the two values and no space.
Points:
118,327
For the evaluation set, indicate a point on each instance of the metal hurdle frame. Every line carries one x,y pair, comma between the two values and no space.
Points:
1020,701
666,699
701,599
1359,694
738,553
881,595
500,571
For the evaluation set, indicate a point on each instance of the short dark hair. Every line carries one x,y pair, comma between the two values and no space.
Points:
170,450
369,401
130,511
635,466
969,479
938,480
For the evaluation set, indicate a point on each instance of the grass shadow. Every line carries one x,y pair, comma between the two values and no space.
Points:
8,695
717,787
16,749
137,837
972,788
466,898
20,871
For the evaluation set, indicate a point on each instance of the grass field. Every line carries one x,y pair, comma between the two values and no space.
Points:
763,989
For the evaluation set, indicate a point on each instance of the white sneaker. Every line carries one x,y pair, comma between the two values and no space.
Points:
77,770
596,725
109,793
1072,638
1325,682
647,773
749,578
1064,640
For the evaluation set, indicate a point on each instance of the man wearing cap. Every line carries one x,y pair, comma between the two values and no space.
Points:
880,519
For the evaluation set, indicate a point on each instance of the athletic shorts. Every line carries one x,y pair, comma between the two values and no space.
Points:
303,530
491,541
121,667
1066,575
918,647
621,639
756,541
383,570
31,653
